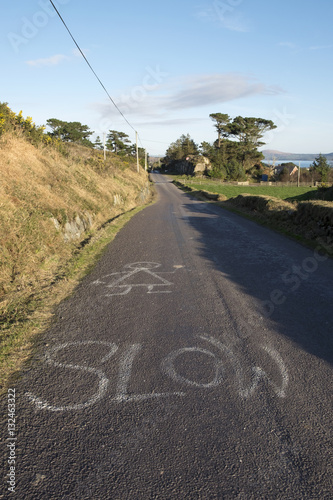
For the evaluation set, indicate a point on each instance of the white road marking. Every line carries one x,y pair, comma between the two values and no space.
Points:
259,373
125,372
124,282
102,389
103,380
169,368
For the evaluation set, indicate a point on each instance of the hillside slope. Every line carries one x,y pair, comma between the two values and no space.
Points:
53,198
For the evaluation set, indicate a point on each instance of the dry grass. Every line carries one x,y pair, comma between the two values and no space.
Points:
263,204
38,185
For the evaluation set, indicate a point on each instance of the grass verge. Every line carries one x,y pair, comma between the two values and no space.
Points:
277,221
20,337
289,193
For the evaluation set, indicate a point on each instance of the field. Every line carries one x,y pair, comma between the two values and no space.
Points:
289,193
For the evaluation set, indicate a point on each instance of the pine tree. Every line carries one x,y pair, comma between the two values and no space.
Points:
98,143
321,167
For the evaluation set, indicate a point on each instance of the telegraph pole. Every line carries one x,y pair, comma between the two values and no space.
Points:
299,173
146,160
104,146
137,152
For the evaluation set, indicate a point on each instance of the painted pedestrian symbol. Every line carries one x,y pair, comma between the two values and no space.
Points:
135,276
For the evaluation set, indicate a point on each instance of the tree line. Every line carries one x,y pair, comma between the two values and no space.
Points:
234,155
116,142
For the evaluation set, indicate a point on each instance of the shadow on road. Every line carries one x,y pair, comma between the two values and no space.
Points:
290,284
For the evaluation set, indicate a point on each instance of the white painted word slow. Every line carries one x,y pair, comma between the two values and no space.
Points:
103,381
168,368
138,275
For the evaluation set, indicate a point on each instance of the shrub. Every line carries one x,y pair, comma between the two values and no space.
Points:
16,123
325,193
217,173
235,171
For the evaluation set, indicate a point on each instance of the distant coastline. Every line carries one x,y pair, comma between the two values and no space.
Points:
281,157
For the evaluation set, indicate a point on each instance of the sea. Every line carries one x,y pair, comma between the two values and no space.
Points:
304,164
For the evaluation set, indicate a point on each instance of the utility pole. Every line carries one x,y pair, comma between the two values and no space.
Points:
299,173
104,146
146,160
137,152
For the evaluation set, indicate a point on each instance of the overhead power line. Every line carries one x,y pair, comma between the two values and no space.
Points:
91,68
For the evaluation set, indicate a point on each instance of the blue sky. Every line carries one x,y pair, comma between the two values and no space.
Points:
168,65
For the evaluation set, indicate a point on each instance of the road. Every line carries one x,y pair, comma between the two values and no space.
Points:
193,362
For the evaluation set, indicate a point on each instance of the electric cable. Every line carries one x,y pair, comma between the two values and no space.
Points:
91,68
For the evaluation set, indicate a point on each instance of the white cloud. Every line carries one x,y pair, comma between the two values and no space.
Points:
172,122
296,49
202,90
49,61
56,59
187,93
321,47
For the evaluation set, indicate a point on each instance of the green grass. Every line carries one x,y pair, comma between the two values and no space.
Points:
289,193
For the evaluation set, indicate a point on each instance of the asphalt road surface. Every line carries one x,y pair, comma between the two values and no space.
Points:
194,362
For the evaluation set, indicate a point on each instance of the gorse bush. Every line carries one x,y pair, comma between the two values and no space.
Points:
16,123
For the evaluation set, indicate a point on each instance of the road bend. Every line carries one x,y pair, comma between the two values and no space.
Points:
194,361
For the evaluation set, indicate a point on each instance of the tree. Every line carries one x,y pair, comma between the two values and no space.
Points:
181,149
55,125
98,143
321,167
249,131
235,170
118,142
222,125
207,149
188,146
70,131
290,165
284,175
174,152
242,150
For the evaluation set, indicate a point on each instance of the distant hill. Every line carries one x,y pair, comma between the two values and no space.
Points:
271,154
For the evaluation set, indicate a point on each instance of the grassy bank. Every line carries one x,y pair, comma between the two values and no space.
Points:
59,208
308,220
289,193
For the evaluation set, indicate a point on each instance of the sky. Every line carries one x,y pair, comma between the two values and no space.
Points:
169,65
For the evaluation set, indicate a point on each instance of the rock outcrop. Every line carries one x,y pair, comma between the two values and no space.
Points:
193,165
